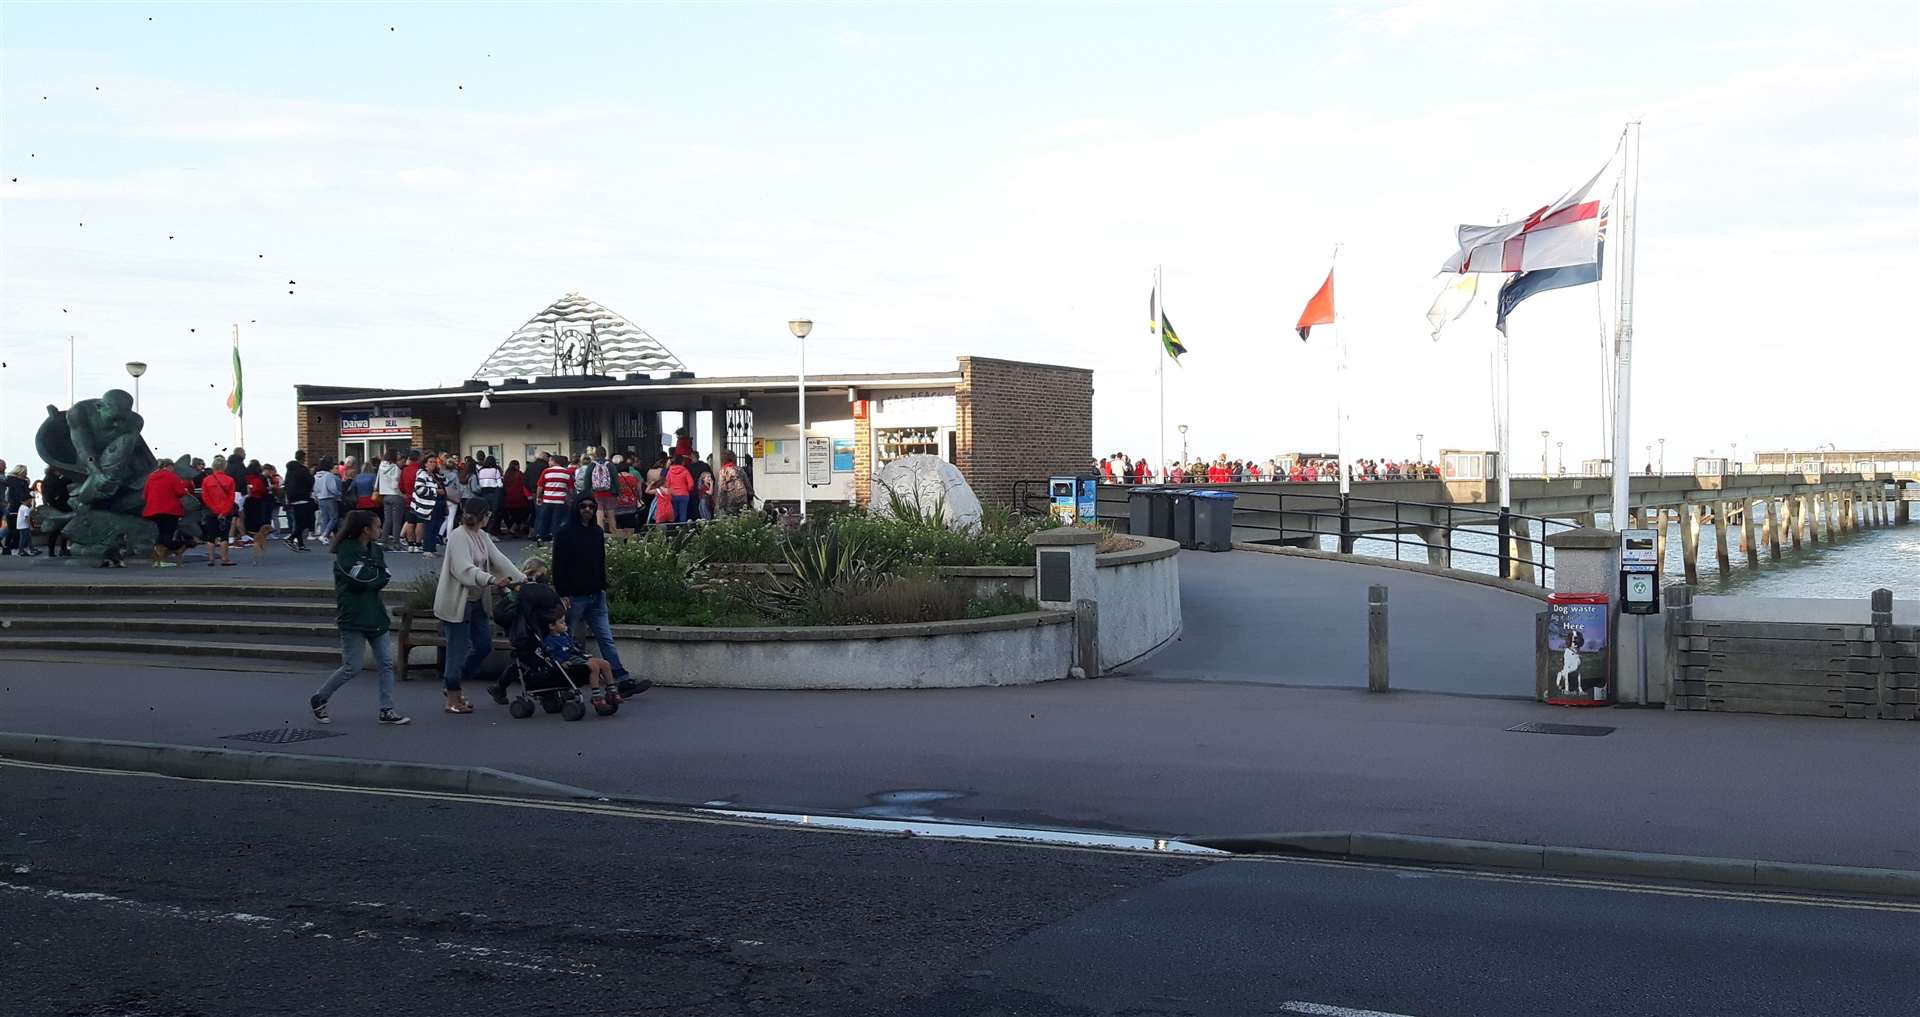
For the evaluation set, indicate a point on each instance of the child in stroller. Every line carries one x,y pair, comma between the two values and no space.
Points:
550,670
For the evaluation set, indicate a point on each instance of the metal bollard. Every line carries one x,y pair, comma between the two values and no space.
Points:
1376,639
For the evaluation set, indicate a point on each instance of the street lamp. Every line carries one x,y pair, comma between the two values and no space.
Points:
1544,435
1183,444
1560,449
1733,459
800,327
136,368
1420,443
1663,457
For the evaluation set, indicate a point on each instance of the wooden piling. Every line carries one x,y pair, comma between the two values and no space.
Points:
1660,541
1795,518
1772,526
1721,511
1748,545
1690,541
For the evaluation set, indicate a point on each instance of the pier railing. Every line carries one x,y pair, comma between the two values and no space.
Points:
1416,530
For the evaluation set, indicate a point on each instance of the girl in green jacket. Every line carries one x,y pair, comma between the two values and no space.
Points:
359,574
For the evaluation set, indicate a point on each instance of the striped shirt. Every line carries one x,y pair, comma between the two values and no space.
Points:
556,485
426,492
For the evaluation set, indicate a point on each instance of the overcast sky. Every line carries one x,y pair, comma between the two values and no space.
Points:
926,181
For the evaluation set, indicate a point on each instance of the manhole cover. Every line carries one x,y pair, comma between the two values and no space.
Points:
281,735
1540,727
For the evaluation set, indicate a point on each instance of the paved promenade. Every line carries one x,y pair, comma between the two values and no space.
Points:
1130,754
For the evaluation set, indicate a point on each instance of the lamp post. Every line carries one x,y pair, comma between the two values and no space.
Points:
1420,446
800,327
1183,445
1544,435
1733,459
1663,457
1560,449
135,368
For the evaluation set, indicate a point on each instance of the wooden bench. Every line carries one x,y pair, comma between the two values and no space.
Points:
420,628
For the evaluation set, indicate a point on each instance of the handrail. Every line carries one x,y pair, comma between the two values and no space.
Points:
1397,517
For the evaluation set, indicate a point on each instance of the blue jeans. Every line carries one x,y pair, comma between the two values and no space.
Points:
468,643
592,609
547,519
329,517
680,508
430,531
353,646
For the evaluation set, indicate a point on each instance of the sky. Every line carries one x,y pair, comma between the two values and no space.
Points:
378,194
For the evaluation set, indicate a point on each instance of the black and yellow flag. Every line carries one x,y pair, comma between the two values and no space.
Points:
1159,322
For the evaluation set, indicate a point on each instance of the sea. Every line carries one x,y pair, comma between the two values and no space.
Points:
1852,567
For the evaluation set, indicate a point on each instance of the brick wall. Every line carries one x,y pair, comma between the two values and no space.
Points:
863,457
316,432
1019,421
436,427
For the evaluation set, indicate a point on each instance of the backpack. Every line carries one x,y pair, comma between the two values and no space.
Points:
734,492
602,477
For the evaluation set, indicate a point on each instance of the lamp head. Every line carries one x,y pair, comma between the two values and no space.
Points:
800,327
486,400
136,368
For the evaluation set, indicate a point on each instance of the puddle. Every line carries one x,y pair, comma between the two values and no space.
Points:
977,831
907,804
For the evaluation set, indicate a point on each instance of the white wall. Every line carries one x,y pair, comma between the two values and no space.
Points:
828,416
513,426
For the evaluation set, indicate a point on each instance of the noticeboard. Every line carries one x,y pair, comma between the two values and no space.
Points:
819,461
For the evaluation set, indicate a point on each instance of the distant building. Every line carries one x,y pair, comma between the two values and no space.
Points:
1838,460
578,375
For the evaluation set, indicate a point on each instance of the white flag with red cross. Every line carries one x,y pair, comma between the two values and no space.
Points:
1564,233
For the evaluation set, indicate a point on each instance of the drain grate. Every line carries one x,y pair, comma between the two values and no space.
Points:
281,735
1539,727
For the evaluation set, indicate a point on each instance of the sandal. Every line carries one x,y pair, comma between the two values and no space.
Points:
461,707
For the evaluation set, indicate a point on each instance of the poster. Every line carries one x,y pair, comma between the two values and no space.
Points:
843,455
1577,645
819,461
780,455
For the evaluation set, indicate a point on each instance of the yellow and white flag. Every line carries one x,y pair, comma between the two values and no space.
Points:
1454,299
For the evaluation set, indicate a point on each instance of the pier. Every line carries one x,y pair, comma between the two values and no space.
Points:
1757,513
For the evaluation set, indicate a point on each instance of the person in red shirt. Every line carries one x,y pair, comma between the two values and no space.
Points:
166,492
515,500
1218,473
407,473
556,489
217,493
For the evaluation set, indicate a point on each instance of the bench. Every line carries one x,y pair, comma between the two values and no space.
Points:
421,628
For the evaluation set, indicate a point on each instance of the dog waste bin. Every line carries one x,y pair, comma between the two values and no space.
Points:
1212,520
1140,502
1180,505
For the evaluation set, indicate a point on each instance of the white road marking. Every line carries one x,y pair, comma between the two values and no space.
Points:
716,818
473,953
1323,1010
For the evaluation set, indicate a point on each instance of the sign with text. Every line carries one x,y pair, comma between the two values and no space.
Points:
819,461
361,424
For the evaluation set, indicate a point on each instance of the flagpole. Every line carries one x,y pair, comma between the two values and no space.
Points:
1623,329
1160,358
1340,390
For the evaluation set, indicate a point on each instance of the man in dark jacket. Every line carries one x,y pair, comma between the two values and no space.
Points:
300,507
580,575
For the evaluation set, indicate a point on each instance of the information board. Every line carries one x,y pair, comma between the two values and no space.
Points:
819,461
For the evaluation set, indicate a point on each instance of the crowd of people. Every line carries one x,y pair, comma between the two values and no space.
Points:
1121,468
417,495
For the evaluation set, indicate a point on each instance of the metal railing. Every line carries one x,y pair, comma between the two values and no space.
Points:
1353,521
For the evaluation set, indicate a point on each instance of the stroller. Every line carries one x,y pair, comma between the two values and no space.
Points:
556,687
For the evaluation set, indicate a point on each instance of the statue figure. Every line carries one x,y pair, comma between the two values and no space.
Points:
96,445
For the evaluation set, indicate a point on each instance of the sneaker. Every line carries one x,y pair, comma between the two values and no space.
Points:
393,719
319,708
630,687
498,693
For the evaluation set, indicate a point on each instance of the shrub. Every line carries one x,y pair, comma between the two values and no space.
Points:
747,537
1004,602
889,602
421,593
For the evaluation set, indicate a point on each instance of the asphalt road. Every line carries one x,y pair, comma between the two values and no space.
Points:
124,895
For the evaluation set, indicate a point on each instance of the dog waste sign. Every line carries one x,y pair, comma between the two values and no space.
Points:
1579,627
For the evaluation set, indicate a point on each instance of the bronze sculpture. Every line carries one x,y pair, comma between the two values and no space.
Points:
97,446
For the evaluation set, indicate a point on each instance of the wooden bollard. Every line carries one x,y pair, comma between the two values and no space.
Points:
1376,639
